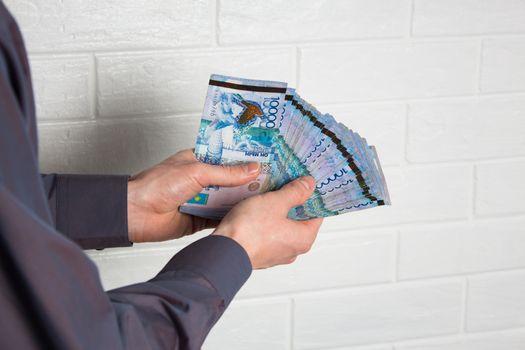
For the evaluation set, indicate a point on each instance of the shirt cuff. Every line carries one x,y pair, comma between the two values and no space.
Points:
220,260
92,210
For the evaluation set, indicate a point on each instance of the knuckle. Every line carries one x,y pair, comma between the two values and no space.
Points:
198,172
305,247
291,259
296,190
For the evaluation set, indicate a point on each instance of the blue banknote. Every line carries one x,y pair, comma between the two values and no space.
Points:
246,120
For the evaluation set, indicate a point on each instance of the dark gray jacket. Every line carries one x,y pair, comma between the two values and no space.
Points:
50,291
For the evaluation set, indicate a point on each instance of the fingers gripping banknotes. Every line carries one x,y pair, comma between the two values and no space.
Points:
263,121
239,124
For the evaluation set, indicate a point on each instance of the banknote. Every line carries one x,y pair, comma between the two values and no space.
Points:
239,123
246,120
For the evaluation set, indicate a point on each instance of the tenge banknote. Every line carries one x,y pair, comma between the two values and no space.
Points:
264,121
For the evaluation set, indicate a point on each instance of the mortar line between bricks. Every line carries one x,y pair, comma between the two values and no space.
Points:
355,288
102,120
162,50
94,87
470,194
306,44
425,224
214,22
405,160
501,216
480,67
401,38
427,340
451,98
437,98
474,192
463,316
404,283
397,256
408,101
465,161
411,9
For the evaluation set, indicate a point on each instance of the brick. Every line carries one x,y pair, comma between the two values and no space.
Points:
496,302
54,25
62,86
375,250
252,325
383,125
361,72
508,340
146,83
502,65
440,250
464,129
417,194
377,315
276,21
129,267
497,180
120,267
366,347
467,17
113,147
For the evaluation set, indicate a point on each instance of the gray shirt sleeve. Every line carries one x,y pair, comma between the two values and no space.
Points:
89,209
51,296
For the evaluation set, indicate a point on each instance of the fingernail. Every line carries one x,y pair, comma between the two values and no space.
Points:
307,184
253,168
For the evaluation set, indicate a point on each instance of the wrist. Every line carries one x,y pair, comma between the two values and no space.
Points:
231,233
134,226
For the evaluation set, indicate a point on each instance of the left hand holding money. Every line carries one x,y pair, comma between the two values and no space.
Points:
155,195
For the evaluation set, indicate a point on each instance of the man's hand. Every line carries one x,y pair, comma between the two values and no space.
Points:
260,225
155,194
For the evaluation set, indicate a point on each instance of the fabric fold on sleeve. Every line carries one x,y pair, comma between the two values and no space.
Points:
220,260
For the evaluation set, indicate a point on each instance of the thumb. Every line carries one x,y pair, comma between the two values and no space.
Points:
297,192
226,175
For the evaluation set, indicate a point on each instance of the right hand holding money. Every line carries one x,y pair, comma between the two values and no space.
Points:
261,226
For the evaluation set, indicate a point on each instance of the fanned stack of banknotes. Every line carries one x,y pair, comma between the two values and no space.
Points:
264,121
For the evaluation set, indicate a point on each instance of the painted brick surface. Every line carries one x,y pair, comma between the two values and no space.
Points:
276,21
494,179
414,190
316,270
153,83
377,315
468,17
437,85
509,340
466,129
441,250
389,140
501,68
496,302
252,325
81,25
62,86
363,72
114,147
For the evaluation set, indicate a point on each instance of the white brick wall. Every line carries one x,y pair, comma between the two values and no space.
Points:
437,85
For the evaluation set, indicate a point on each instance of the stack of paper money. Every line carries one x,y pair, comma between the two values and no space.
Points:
264,121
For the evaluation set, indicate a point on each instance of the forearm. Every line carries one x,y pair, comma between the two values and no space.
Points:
89,209
178,307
